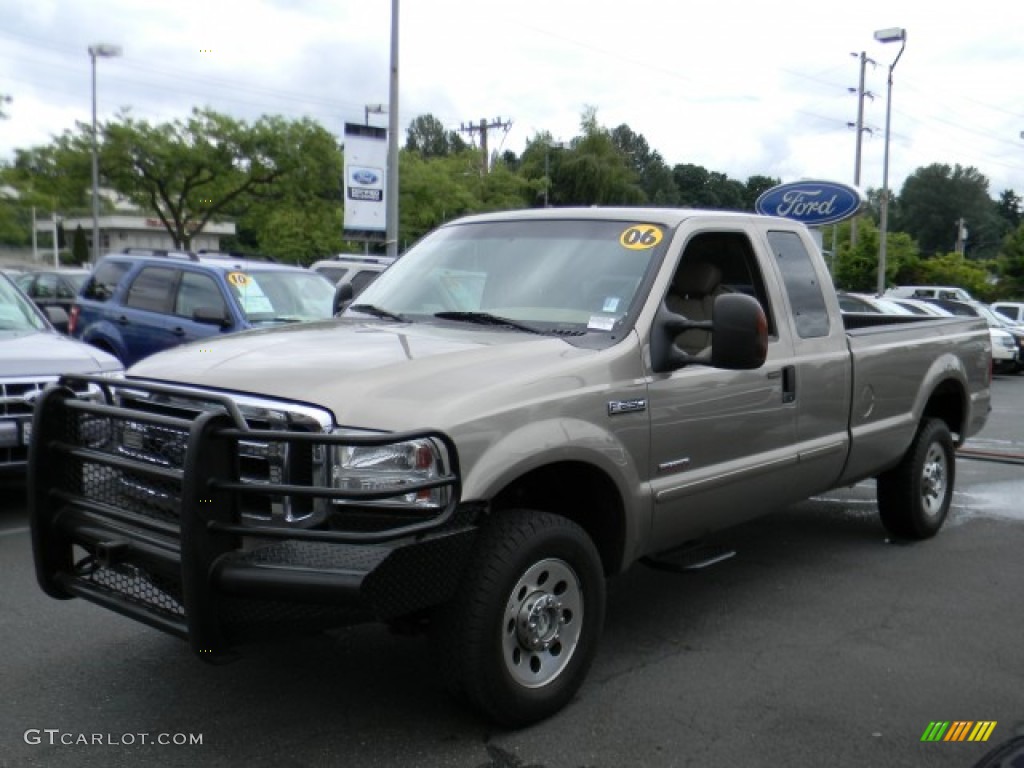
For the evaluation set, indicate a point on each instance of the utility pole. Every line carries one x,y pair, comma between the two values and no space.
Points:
861,93
482,128
961,236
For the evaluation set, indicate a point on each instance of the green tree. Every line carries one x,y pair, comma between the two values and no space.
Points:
187,172
55,176
755,187
427,137
655,177
595,172
955,269
935,198
1010,265
80,247
857,267
1010,209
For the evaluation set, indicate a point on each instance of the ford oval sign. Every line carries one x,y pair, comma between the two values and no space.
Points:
365,176
811,202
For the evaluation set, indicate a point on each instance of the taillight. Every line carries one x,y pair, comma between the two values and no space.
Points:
73,319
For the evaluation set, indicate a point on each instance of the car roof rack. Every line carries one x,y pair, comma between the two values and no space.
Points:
363,259
161,252
236,255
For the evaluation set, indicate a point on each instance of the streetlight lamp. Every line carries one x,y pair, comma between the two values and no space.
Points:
97,51
890,35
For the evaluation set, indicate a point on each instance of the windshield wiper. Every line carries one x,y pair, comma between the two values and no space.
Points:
486,318
384,314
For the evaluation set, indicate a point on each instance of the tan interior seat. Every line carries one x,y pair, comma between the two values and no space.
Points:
693,292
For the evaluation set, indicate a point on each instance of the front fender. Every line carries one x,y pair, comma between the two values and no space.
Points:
619,454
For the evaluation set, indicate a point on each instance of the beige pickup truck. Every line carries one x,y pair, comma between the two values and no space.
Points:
524,405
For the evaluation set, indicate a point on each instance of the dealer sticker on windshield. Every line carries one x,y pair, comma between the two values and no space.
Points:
598,323
639,237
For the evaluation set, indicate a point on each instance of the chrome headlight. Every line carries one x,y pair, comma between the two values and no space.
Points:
390,468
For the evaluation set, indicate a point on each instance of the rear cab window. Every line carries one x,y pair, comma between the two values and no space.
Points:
802,284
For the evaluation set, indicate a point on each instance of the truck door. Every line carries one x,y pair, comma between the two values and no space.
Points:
722,442
821,366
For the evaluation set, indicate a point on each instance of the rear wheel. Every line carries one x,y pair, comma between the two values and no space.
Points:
519,637
914,497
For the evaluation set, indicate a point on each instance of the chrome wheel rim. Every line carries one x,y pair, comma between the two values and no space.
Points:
934,480
542,623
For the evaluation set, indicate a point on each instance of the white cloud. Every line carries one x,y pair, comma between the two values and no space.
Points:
737,86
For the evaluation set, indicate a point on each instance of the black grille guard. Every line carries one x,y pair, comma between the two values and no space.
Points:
167,545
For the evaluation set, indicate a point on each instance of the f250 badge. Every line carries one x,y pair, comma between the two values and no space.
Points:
626,406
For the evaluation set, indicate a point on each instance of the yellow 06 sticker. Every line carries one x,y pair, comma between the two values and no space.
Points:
640,237
239,278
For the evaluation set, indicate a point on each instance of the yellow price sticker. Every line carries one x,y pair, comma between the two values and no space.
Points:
640,237
239,278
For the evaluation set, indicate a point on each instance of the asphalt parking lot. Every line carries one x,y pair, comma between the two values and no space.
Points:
822,642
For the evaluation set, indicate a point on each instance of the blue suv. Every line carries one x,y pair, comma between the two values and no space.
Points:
143,301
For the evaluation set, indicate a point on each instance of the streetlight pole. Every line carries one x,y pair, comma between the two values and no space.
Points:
104,51
391,209
890,35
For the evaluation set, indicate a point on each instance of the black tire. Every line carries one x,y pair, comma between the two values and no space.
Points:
498,641
914,496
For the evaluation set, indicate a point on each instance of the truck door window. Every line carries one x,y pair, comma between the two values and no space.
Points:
806,297
732,254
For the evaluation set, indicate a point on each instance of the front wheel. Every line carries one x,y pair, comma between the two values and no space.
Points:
519,637
914,497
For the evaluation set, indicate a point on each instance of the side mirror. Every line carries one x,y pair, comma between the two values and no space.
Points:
58,318
211,316
343,296
739,333
739,336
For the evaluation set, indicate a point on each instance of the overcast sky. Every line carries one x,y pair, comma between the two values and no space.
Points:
741,87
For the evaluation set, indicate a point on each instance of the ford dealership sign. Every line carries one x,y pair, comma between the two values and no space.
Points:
812,202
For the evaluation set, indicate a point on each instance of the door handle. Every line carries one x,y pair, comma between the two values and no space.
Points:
179,331
122,320
789,384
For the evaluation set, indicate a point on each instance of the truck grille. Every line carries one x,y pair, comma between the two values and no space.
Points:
17,400
259,461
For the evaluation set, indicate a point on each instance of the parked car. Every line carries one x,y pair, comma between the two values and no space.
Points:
929,292
1014,310
921,307
142,301
860,302
53,287
357,271
1007,339
32,356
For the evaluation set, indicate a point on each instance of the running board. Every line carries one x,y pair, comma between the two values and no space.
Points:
689,557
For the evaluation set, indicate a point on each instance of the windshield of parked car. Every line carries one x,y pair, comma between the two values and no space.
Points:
568,277
17,314
269,296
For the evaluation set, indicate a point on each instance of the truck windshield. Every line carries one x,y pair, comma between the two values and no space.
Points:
16,312
559,276
268,296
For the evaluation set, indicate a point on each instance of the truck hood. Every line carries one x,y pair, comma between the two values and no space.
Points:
28,355
376,375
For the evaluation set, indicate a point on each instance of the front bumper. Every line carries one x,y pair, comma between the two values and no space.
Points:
161,529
